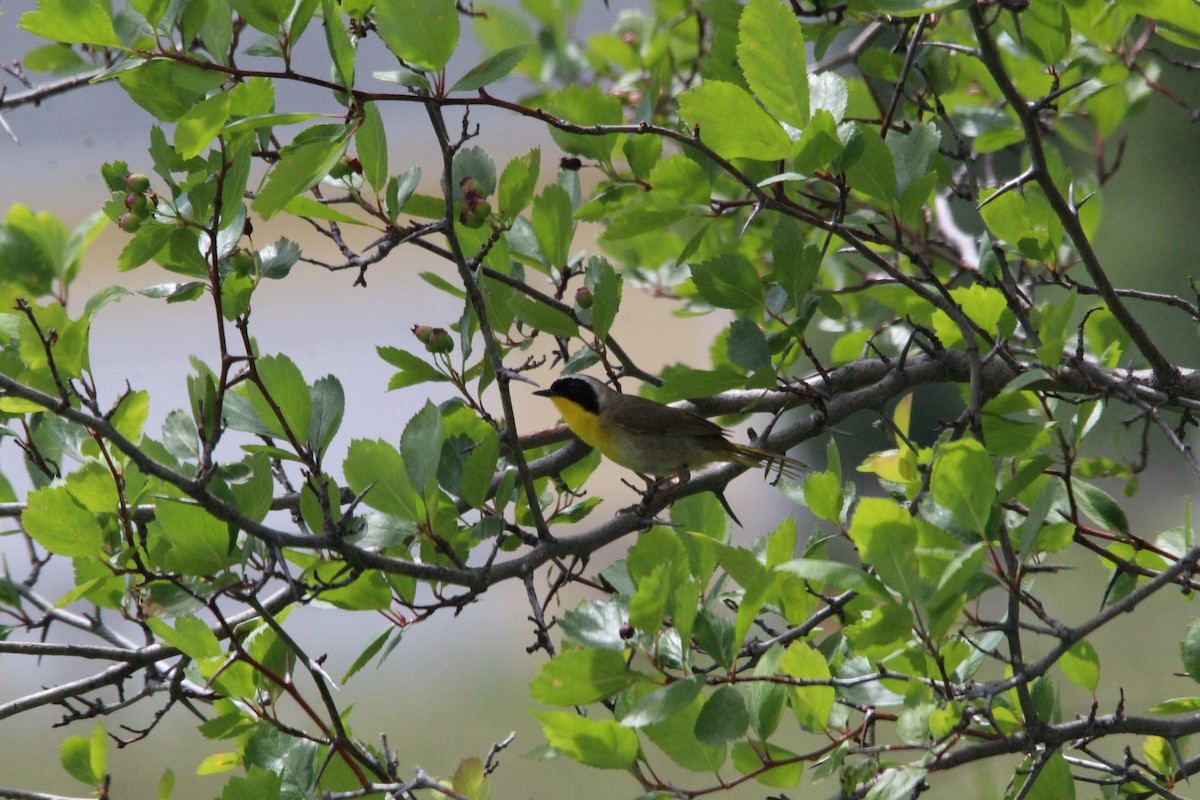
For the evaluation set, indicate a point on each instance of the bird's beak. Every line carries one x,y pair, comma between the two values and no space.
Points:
545,393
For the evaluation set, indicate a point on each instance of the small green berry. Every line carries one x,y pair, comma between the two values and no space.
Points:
440,341
138,183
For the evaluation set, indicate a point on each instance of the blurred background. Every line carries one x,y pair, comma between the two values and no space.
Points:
457,685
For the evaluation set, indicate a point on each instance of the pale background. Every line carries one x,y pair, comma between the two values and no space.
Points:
456,685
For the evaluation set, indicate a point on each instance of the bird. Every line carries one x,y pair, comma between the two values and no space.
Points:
651,438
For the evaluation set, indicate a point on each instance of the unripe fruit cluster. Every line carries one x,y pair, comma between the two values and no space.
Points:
477,210
139,203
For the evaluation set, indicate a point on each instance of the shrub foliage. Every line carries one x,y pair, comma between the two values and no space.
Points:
874,197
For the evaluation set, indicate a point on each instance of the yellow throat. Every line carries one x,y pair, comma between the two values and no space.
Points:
586,426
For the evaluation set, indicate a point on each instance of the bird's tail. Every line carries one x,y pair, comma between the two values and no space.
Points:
785,466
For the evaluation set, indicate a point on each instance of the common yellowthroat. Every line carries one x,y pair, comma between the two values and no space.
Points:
648,437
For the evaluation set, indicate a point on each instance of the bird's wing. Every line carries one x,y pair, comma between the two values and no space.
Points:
637,415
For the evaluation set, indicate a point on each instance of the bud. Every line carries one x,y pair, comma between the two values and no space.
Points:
242,262
570,163
440,341
137,182
138,205
475,214
470,188
583,297
129,222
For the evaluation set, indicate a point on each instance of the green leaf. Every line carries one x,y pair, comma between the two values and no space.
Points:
663,703
886,537
871,169
293,759
72,22
130,416
702,514
289,403
748,348
303,163
543,317
422,32
732,123
1046,31
595,624
767,698
554,225
1081,664
400,189
368,592
56,522
1178,705
479,467
1054,782
596,743
642,153
811,704
474,163
267,16
378,465
606,287
303,205
259,121
771,53
518,182
328,401
491,69
680,179
1189,650
371,649
649,603
1101,507
413,369
723,718
168,89
715,634
252,495
796,266
341,50
682,383
201,124
190,635
950,596
750,757
676,737
845,577
586,107
728,281
964,482
75,755
371,142
579,677
421,447
823,496
405,77
193,542
913,154
98,751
